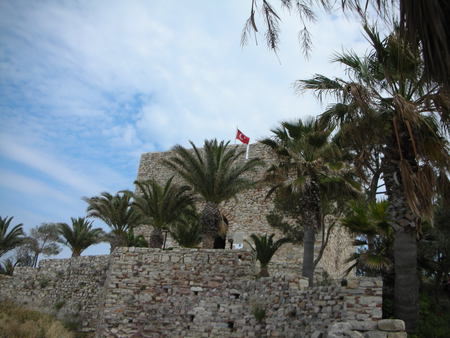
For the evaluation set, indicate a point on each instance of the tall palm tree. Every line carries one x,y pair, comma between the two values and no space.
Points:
217,173
387,93
161,205
265,248
307,162
80,235
116,212
12,238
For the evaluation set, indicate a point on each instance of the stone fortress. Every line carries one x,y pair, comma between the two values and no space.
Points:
246,214
140,292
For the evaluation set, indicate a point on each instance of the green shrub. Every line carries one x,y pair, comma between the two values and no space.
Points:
434,316
259,313
44,282
58,305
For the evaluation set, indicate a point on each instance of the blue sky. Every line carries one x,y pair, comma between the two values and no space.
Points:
87,86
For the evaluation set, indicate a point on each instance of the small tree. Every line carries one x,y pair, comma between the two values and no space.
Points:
80,235
43,240
12,238
264,249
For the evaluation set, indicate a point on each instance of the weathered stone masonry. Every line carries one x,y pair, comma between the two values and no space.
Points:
70,288
188,293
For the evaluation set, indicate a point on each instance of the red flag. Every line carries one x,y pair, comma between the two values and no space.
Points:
241,137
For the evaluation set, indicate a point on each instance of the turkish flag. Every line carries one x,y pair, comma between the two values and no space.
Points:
241,137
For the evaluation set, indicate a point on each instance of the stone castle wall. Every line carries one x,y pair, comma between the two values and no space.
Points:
247,214
68,288
187,293
213,293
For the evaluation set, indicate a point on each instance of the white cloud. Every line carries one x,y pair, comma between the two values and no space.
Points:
48,165
30,186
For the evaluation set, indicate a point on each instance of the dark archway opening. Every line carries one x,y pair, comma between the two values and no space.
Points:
219,243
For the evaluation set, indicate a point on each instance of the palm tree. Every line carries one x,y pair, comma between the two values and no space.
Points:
116,212
307,162
387,93
136,241
7,267
186,231
12,238
161,205
369,220
80,235
264,249
217,173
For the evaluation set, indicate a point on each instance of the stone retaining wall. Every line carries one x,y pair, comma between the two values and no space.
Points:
214,293
68,288
144,292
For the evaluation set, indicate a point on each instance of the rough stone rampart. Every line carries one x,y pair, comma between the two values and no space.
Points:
214,293
69,288
188,293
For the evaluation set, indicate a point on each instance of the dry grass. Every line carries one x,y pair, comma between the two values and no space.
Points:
16,321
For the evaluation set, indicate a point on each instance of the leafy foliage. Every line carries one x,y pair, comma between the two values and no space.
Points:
115,211
12,238
369,221
43,240
80,235
136,241
162,205
186,231
217,173
264,248
7,267
16,321
307,179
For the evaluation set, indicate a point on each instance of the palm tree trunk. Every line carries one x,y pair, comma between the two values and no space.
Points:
404,222
309,239
76,252
116,239
310,201
406,289
210,221
156,239
264,271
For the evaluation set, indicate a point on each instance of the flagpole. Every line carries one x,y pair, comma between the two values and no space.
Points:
246,152
235,134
